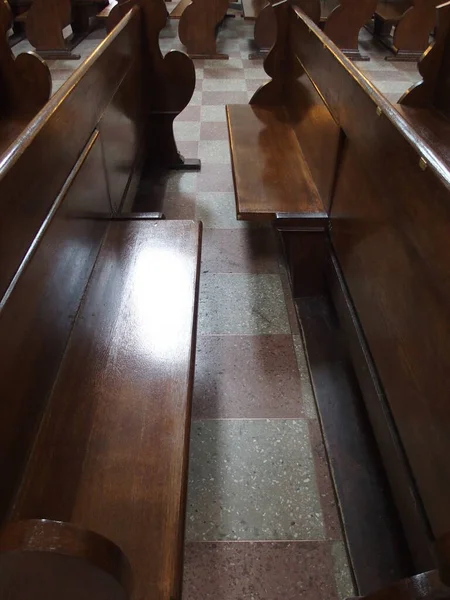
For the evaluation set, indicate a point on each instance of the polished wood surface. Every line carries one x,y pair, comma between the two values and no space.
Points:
387,194
198,25
270,172
26,85
401,326
47,289
117,445
46,19
413,21
27,189
57,560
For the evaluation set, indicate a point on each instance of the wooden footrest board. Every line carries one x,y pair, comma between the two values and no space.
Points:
270,172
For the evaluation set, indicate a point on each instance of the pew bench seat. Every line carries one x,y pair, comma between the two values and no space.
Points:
271,176
111,452
391,12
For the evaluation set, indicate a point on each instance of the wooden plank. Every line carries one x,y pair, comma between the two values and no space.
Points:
179,9
115,438
270,173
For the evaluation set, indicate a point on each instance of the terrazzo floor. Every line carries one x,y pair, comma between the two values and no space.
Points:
262,521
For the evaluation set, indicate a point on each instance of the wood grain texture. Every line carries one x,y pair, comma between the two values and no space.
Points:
26,84
198,24
117,444
27,189
47,290
270,173
384,221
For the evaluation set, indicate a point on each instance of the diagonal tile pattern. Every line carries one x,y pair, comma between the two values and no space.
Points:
262,521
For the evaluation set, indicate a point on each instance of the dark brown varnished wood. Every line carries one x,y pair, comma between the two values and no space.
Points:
413,22
56,194
26,85
58,559
433,91
116,443
344,23
198,25
270,173
386,186
46,19
46,148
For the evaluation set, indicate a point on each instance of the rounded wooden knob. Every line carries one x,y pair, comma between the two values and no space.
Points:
52,560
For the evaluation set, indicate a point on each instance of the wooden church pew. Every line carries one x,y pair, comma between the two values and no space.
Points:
199,21
360,191
413,22
341,20
44,21
97,328
26,85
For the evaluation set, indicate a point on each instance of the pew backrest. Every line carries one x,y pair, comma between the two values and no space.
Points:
71,170
386,189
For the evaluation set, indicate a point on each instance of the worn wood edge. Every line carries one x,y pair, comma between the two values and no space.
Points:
58,537
425,151
24,140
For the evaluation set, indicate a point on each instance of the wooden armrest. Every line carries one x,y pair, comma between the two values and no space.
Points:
51,559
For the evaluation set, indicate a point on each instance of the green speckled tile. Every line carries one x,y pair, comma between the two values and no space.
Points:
252,480
242,304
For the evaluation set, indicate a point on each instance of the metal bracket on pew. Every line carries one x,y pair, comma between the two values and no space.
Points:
171,81
144,216
301,222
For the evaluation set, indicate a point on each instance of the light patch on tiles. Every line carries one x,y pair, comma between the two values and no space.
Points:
252,480
186,131
224,85
242,304
213,113
214,151
217,210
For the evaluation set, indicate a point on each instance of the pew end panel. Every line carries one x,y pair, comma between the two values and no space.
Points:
60,197
198,27
52,559
26,85
412,22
